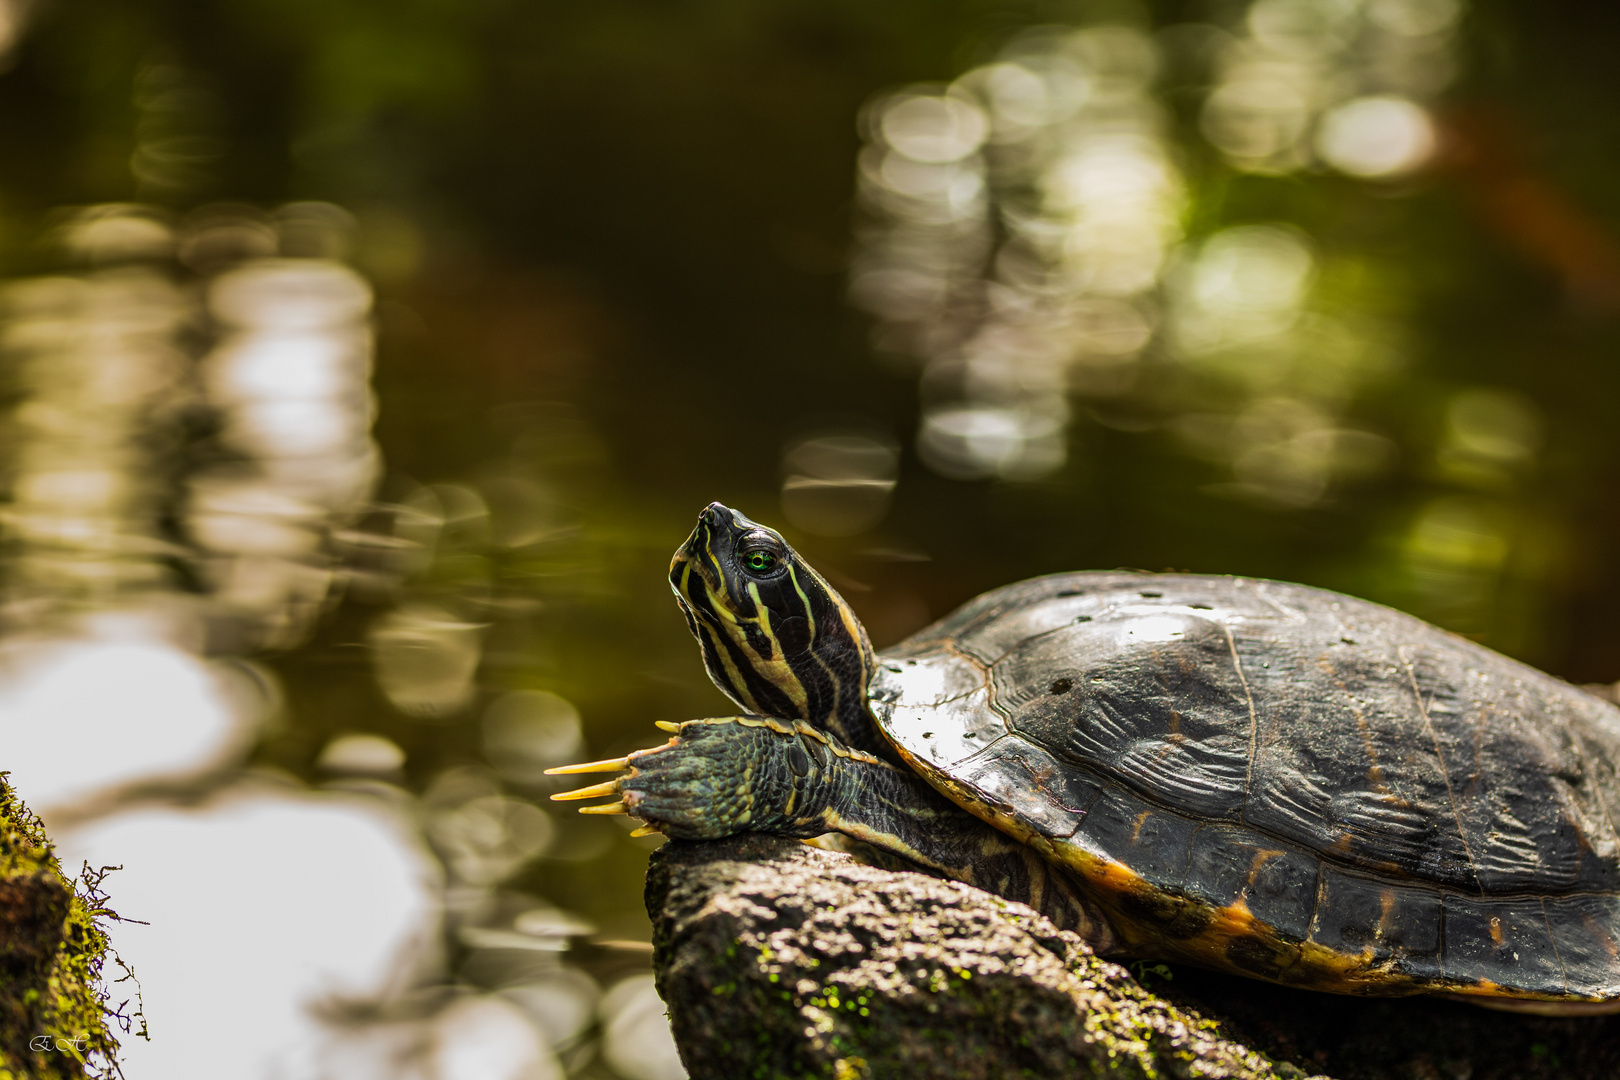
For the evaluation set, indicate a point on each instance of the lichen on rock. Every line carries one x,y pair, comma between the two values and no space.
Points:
52,950
780,960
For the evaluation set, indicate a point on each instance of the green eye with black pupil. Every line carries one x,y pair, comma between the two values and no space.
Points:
759,561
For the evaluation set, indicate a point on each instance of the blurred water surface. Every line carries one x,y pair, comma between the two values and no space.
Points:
362,375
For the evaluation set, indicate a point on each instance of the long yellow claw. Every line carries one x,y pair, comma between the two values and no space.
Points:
610,787
609,765
645,830
608,808
668,725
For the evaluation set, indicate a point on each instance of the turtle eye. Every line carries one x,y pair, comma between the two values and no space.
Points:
760,561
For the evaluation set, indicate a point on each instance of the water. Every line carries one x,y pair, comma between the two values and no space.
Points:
330,524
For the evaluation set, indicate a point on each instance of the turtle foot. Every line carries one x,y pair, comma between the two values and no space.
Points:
717,777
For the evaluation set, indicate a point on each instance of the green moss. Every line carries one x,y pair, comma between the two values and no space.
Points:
52,951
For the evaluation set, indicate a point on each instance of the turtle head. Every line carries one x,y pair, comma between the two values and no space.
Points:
776,638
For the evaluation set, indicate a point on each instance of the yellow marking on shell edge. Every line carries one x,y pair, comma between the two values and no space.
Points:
1309,964
1110,883
1234,920
1483,988
1386,908
1261,857
1345,966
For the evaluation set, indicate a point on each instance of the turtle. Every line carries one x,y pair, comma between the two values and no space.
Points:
1262,778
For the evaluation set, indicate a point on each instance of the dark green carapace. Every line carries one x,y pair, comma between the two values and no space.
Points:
1265,778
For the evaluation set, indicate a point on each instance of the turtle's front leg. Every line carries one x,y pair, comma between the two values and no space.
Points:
736,774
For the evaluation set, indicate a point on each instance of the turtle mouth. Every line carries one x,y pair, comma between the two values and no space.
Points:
697,573
711,549
720,530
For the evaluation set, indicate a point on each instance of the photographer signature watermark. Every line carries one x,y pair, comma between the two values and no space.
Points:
43,1043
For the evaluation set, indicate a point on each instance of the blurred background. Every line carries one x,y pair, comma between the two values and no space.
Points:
364,363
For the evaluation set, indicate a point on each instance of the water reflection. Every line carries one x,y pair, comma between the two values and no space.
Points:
289,386
116,706
1346,81
1022,217
359,754
425,659
194,483
1468,550
1029,243
838,485
639,1045
1376,136
1184,235
261,903
527,732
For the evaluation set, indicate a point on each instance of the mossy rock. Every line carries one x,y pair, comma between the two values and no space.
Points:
778,960
51,955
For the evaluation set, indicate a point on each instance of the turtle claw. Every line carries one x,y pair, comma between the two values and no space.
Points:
607,765
646,830
702,783
609,787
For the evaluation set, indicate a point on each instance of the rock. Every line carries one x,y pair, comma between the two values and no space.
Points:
53,1008
781,960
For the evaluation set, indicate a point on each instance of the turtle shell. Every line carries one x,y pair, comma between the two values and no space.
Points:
1281,781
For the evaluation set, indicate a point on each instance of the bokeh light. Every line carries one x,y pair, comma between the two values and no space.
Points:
1026,263
361,382
838,485
1376,136
264,908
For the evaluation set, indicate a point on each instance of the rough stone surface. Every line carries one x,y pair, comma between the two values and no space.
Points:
780,960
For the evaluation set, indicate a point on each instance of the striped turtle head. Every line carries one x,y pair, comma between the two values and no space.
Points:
776,638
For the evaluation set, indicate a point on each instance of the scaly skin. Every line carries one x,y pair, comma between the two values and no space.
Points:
726,775
809,758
